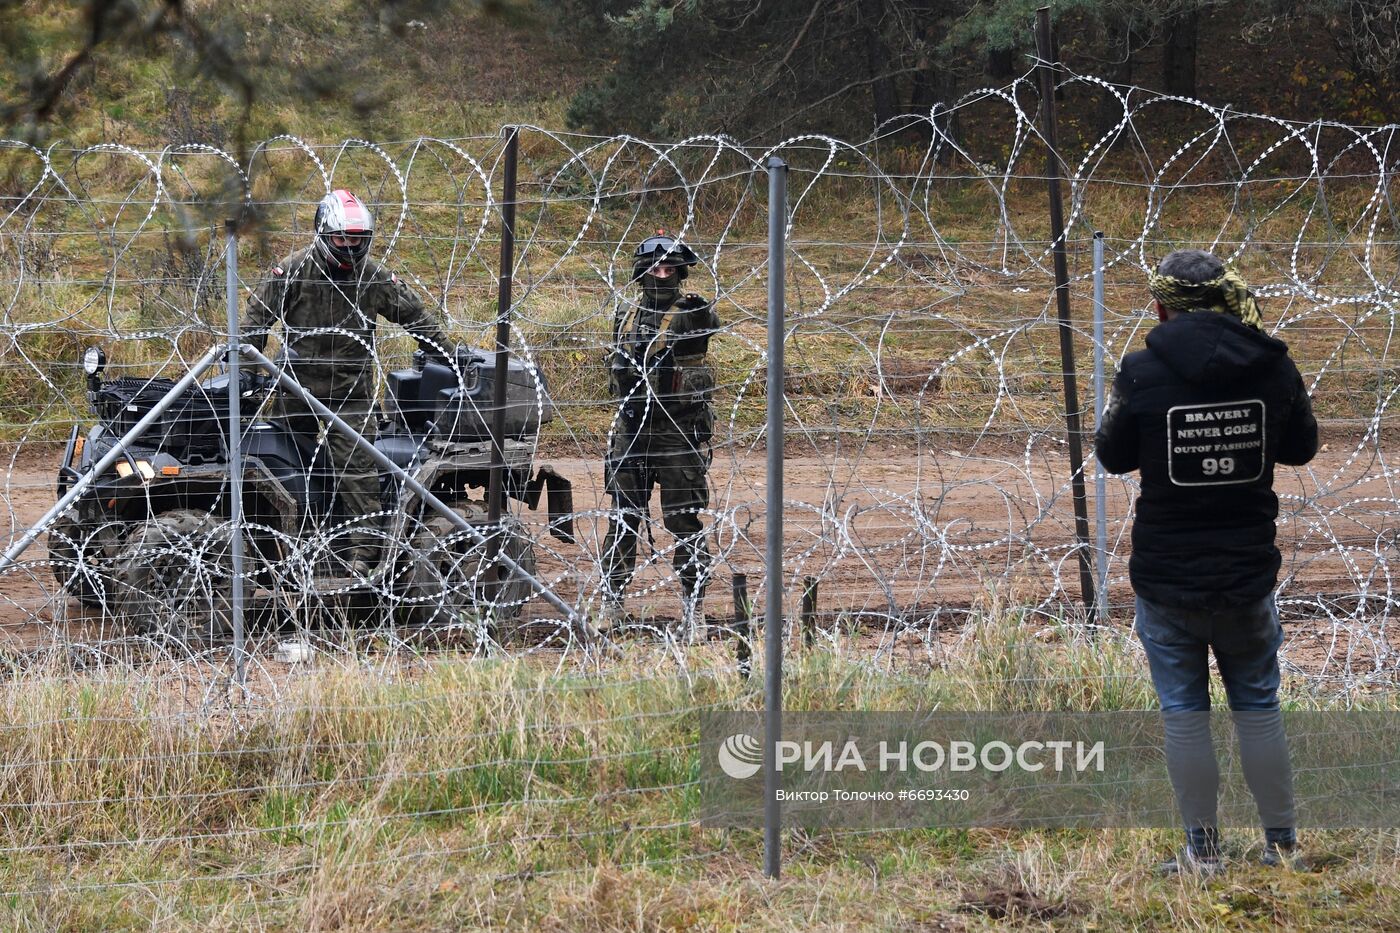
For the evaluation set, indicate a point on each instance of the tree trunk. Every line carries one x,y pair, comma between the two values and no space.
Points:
935,85
1179,55
1121,42
1001,64
884,96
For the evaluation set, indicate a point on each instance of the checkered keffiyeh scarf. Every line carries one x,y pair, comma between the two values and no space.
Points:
1227,294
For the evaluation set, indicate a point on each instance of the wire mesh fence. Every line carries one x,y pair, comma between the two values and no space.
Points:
927,483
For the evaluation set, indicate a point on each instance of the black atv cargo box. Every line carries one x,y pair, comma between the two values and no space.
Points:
192,428
462,411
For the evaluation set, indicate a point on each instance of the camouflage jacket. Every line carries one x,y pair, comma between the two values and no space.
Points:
669,347
329,322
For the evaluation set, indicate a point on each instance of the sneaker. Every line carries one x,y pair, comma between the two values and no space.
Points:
614,618
1187,862
1279,854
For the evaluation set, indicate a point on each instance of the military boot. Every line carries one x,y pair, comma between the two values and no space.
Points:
366,546
346,560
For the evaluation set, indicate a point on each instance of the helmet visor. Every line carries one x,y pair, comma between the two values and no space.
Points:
666,248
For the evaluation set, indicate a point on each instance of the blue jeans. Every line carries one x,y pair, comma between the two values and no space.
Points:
1245,641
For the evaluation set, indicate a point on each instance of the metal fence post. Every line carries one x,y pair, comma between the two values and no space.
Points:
1057,232
495,492
809,611
743,651
1100,478
235,453
773,613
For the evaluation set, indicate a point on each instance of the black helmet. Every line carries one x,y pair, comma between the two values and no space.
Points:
341,214
662,248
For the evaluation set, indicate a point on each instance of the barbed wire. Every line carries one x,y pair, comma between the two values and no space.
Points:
816,318
927,479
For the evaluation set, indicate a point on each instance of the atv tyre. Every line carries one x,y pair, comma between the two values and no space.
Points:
446,578
175,576
77,556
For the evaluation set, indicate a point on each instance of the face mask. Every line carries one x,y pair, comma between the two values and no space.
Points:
661,291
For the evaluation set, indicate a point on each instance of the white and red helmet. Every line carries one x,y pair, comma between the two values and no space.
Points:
341,214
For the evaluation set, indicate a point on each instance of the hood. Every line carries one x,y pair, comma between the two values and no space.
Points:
1209,347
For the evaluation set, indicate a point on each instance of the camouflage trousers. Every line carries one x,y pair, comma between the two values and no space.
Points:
685,492
340,466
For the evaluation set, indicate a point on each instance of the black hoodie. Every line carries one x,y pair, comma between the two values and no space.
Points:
1204,413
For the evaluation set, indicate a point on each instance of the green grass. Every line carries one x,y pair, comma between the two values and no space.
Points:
353,801
484,794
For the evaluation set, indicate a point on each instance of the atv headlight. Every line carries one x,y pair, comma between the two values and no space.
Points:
94,361
124,469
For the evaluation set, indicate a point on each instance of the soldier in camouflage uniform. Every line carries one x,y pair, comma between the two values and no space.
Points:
663,382
327,297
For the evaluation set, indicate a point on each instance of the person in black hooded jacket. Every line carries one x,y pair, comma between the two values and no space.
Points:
1204,413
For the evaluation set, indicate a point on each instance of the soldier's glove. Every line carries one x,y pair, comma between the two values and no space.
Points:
693,331
434,356
254,381
691,302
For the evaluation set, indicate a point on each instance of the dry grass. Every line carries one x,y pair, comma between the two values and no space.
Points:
491,794
917,322
505,795
901,350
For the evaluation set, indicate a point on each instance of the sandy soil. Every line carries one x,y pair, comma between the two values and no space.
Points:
895,535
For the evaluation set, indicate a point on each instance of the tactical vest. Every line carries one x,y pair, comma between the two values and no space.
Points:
660,368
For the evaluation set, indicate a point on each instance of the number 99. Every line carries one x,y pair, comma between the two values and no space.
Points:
1223,466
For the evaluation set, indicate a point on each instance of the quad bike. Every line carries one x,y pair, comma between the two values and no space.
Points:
151,540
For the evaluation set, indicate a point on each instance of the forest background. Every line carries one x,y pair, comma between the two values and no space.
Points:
223,73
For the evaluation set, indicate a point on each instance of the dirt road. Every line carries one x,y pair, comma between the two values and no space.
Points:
897,533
